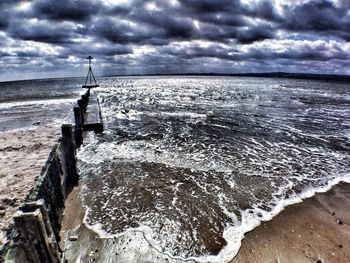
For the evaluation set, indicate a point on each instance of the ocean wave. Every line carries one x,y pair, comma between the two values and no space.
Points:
186,168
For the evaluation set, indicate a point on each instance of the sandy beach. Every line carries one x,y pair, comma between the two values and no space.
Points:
22,156
316,230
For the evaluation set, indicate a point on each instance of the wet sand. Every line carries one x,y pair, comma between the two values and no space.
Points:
83,245
316,230
22,156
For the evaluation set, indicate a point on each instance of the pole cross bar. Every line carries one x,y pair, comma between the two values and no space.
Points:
90,76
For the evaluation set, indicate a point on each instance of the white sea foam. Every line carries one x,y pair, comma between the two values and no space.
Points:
7,105
271,149
251,218
131,151
232,234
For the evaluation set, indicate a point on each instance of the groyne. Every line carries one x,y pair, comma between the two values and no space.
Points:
34,235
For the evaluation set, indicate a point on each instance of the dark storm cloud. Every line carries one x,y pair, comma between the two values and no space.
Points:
316,15
29,54
170,26
4,54
321,16
171,33
215,23
211,6
41,32
101,51
229,12
122,33
3,20
149,27
77,10
264,9
302,53
305,53
223,19
4,14
243,35
212,51
255,34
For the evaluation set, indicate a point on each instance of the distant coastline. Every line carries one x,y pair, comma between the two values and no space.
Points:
308,76
327,77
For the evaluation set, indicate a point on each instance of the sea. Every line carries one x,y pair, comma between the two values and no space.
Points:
29,103
193,163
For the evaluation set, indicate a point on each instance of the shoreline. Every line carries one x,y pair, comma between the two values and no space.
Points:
315,230
318,228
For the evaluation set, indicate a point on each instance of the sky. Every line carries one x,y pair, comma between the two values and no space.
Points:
52,38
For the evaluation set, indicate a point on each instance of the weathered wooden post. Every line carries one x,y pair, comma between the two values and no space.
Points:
68,155
85,99
36,241
78,127
81,106
32,206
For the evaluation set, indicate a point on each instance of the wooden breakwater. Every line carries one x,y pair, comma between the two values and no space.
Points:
35,234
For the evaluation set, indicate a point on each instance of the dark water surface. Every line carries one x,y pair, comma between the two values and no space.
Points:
195,162
24,103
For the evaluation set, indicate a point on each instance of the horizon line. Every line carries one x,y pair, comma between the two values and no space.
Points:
272,74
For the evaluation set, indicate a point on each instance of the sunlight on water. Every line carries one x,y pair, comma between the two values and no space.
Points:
200,161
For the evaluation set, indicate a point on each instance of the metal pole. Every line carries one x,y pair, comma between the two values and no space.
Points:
90,75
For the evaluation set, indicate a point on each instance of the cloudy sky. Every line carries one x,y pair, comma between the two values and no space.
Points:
48,38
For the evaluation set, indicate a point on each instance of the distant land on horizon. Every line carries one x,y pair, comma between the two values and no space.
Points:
309,76
333,77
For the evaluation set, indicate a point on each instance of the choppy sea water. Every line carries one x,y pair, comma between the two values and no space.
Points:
25,104
196,162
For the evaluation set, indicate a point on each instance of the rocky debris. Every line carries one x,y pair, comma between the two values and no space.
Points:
73,238
339,222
